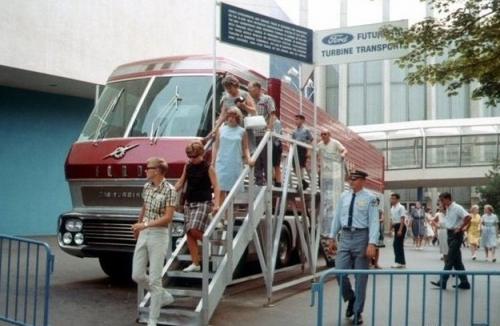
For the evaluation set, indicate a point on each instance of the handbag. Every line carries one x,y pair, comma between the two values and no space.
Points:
255,122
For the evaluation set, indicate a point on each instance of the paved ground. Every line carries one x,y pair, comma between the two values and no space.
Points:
83,295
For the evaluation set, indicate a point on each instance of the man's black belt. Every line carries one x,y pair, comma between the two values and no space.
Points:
352,229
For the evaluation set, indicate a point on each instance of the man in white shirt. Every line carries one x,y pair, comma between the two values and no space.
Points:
398,213
456,220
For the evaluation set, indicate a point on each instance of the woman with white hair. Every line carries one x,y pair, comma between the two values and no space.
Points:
474,230
489,236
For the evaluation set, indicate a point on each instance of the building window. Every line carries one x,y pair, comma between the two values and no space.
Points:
443,151
452,107
408,103
365,95
404,153
332,90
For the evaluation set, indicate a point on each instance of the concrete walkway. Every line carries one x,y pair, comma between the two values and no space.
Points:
291,307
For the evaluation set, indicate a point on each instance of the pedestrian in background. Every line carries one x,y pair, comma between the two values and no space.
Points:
201,182
474,231
442,234
456,221
489,236
380,243
151,231
398,217
302,134
265,108
357,218
417,215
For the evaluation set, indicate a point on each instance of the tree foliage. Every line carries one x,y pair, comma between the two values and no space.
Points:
490,193
465,40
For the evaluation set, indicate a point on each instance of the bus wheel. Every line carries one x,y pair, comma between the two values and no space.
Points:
284,248
117,267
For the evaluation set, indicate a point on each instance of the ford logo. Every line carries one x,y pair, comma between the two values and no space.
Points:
337,39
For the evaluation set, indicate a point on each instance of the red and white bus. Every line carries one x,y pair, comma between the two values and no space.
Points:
155,108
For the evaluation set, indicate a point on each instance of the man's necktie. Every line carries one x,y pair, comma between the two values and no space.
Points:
351,209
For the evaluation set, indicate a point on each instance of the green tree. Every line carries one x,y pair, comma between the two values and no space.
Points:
490,193
466,35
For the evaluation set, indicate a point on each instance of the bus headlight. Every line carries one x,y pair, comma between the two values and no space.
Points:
79,239
177,229
73,225
67,238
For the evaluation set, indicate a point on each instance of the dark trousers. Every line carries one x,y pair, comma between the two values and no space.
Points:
454,259
260,169
398,244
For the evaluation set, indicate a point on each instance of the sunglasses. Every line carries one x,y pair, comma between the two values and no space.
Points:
192,155
151,168
324,134
354,178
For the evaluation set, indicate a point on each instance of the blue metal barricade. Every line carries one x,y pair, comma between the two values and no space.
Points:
25,270
406,297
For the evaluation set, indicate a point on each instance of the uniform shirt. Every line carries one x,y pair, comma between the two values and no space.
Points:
302,134
157,199
455,215
265,106
364,215
397,211
329,153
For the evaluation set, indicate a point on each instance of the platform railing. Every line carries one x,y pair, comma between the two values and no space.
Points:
406,297
26,267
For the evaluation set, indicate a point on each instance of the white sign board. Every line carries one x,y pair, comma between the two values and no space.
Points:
356,43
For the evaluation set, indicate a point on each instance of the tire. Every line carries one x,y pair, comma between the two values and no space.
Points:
285,250
117,267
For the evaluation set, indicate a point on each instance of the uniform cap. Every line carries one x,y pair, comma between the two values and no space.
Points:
358,174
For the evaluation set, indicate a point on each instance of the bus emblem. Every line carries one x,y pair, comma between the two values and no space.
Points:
119,152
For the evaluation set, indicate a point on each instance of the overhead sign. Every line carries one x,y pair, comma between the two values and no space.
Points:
262,33
356,43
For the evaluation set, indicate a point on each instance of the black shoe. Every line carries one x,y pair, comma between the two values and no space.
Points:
439,284
463,286
350,307
358,319
305,184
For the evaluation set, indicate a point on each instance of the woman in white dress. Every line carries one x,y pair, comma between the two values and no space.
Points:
442,234
489,234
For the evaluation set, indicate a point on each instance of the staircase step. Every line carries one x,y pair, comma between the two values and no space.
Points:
173,316
217,258
198,275
184,291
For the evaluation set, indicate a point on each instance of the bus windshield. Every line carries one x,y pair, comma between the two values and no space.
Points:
113,111
177,106
174,106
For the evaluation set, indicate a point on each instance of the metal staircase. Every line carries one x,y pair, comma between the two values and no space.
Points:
197,294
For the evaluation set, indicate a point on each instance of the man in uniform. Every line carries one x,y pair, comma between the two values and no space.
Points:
456,221
356,216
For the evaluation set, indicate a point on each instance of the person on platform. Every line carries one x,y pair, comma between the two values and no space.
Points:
456,221
302,134
265,107
357,219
